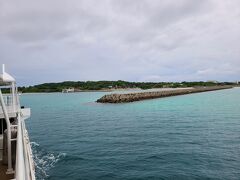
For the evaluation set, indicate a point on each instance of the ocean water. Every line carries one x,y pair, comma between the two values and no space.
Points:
194,136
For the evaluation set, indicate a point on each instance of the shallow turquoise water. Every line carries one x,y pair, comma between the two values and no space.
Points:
193,136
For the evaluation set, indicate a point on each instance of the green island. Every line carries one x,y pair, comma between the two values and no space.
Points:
114,85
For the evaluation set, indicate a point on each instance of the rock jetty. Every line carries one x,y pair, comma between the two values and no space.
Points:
130,97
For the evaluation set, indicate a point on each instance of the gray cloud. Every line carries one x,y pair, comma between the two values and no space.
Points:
136,40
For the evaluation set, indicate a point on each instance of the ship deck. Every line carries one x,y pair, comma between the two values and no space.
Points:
3,175
3,168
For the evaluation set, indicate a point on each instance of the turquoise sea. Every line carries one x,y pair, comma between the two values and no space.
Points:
194,136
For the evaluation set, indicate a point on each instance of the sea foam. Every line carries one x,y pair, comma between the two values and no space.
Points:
44,160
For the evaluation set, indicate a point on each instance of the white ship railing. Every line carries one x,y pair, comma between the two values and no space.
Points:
24,163
11,104
24,169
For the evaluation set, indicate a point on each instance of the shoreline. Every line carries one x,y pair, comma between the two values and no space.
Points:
102,90
118,90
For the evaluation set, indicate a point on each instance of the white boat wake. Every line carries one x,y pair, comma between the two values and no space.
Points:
44,161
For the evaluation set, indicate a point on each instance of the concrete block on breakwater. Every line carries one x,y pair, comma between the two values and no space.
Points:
138,96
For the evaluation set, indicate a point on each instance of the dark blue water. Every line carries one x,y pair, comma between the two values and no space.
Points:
193,136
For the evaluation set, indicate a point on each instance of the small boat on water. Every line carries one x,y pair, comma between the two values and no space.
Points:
16,159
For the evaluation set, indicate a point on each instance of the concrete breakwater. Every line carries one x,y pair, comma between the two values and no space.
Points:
130,97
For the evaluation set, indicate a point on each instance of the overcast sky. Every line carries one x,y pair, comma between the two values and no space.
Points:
134,40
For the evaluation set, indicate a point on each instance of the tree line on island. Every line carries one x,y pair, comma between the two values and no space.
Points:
111,85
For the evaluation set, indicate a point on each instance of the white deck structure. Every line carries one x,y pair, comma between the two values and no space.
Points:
15,152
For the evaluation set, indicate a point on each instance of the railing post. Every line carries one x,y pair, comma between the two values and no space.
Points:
13,97
9,170
20,159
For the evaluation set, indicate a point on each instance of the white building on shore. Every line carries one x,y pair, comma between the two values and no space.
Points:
68,90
